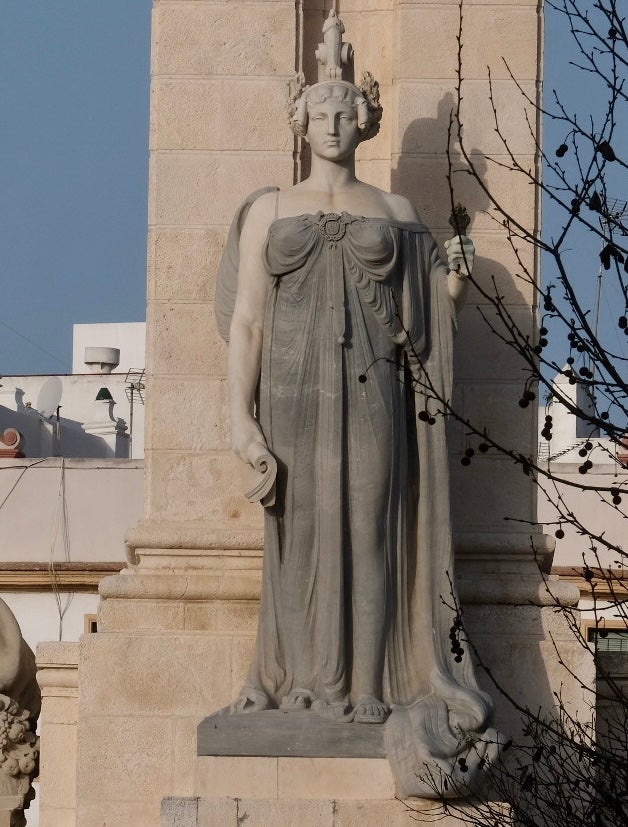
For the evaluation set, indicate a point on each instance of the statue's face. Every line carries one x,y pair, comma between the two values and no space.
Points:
332,129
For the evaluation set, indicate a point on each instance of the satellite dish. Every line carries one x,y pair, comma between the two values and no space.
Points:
49,396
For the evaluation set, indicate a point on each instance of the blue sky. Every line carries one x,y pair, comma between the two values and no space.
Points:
74,97
583,94
74,93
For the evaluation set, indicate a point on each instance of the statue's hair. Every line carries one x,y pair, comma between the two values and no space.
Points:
365,99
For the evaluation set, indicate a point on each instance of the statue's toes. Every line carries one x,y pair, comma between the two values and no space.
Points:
370,711
297,699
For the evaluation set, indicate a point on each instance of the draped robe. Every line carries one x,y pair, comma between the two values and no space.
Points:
357,340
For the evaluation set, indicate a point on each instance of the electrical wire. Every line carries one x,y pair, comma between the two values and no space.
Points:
24,470
61,523
34,344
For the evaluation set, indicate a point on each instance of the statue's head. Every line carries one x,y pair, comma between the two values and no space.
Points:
335,80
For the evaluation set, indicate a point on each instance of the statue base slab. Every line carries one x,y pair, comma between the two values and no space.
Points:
276,732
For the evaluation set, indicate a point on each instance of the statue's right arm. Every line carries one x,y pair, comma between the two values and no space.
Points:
246,332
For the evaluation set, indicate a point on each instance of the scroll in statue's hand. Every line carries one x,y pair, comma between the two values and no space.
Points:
460,255
262,476
259,474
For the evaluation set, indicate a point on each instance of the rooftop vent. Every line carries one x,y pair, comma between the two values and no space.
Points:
102,359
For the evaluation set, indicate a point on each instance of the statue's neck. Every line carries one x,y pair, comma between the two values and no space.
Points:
331,176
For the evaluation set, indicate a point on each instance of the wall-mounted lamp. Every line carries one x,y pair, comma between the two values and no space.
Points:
104,395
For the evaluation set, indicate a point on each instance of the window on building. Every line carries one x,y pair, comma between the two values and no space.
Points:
608,639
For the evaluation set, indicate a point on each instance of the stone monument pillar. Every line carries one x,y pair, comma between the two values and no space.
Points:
175,630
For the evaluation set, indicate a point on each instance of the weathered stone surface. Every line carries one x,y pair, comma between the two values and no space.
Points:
218,812
279,733
182,263
480,354
193,486
112,813
235,617
260,812
164,665
184,341
206,188
235,777
528,666
393,813
255,813
424,181
220,39
477,403
423,109
166,616
513,35
57,676
183,402
179,812
483,494
346,778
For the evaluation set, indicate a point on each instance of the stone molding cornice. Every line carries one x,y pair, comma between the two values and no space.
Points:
65,576
605,584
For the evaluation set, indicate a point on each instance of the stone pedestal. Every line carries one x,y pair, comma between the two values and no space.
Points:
174,643
57,675
10,807
310,792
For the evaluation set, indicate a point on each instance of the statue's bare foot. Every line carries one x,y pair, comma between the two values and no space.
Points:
297,699
369,710
339,711
249,700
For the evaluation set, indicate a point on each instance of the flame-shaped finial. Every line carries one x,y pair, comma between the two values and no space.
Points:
335,58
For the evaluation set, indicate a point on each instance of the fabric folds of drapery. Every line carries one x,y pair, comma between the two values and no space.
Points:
358,339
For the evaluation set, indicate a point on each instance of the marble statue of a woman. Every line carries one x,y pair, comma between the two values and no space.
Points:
339,313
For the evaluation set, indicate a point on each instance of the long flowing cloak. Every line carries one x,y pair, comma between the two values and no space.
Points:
358,336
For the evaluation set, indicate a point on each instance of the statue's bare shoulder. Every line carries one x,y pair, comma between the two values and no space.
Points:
401,209
261,213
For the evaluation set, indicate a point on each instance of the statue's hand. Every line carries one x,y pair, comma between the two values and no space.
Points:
247,440
460,255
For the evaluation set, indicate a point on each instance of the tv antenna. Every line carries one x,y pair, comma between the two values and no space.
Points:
134,387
